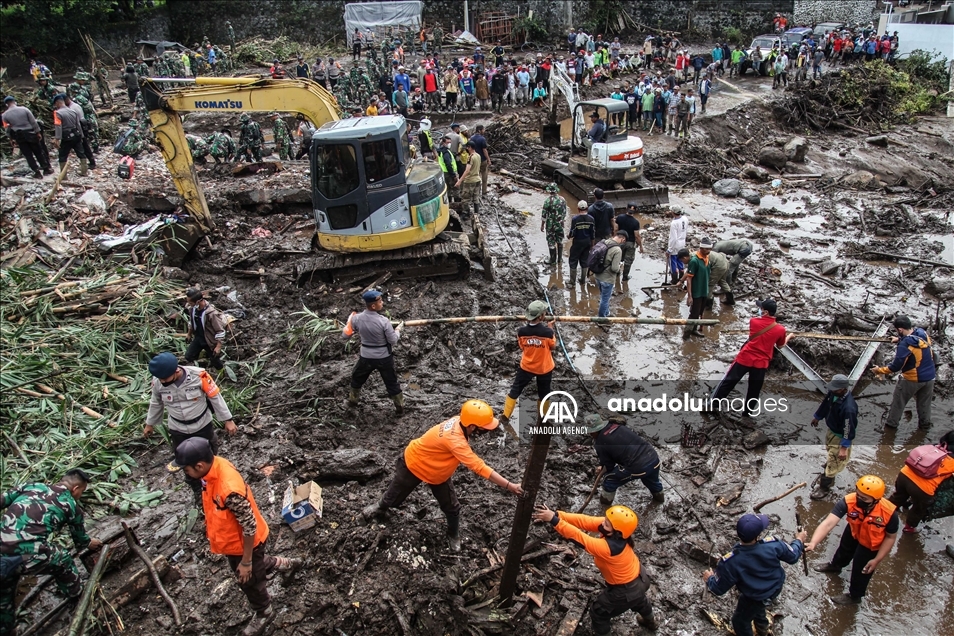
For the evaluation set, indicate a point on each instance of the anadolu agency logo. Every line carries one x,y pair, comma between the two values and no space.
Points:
558,412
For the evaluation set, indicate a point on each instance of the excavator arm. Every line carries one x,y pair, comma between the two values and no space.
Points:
224,94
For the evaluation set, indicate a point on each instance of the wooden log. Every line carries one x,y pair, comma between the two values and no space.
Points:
596,484
622,320
153,574
493,568
571,620
141,581
921,261
817,336
46,618
759,505
344,464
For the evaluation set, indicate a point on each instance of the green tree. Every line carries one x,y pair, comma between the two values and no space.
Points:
54,25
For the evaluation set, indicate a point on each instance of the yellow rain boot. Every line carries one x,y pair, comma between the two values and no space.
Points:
509,405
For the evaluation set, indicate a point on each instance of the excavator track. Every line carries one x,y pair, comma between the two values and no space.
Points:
448,256
647,195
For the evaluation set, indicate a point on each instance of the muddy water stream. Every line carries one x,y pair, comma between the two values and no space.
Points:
913,590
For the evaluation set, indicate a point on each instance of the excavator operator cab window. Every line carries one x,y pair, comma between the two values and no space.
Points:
336,170
380,160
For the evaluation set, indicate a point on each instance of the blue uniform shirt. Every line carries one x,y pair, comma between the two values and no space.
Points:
755,569
841,415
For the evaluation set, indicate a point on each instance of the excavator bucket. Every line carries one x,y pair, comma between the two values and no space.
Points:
647,195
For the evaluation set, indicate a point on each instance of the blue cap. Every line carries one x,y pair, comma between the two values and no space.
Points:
750,526
371,296
59,96
8,99
163,365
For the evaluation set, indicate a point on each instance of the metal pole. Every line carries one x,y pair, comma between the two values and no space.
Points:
521,517
466,15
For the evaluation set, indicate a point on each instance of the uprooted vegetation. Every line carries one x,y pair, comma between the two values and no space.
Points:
873,94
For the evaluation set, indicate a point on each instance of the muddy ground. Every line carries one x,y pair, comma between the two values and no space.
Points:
399,577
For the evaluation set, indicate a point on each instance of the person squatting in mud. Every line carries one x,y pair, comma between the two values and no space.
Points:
615,557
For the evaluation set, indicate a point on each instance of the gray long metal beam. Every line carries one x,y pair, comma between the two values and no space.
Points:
804,367
867,354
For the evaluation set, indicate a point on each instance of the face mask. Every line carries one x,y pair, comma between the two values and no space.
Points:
606,534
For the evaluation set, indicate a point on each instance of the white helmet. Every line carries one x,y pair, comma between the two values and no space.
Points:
425,124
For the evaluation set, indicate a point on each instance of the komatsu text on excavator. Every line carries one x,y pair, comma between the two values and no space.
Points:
374,207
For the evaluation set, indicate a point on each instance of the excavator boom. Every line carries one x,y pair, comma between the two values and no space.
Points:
224,94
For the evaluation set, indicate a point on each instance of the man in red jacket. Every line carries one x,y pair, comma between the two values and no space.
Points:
753,359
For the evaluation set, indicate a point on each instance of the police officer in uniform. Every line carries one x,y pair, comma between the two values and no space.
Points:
754,568
378,337
24,131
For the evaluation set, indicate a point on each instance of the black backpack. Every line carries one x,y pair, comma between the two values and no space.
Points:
597,259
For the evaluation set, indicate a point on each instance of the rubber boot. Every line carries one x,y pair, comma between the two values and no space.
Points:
84,167
372,512
573,276
559,248
729,299
627,267
509,405
824,487
607,497
62,165
552,260
453,532
583,272
37,174
354,395
709,303
659,497
398,403
647,622
675,277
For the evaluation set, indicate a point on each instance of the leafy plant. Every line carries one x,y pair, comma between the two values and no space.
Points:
530,29
309,332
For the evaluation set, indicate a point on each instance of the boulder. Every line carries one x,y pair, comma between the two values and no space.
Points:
750,195
796,148
94,201
755,439
773,157
878,140
755,172
862,180
829,267
727,187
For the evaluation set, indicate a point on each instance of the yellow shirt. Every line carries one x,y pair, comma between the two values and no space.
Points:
372,111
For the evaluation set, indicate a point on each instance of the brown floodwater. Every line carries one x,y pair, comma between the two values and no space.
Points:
913,589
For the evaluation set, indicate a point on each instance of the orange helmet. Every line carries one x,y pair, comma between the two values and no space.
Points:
871,485
622,519
478,413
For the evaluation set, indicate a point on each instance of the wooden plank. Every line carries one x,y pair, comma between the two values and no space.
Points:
572,618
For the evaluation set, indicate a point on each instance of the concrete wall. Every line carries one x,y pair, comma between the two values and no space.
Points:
708,18
808,12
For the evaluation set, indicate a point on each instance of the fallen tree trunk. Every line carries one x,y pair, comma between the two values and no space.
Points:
141,581
910,258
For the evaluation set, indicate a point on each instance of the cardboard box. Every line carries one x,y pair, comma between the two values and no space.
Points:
301,506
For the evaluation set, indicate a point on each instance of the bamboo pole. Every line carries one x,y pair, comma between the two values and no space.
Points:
78,625
624,320
759,505
818,336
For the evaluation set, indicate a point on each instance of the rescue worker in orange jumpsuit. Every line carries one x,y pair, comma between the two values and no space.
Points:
234,526
613,554
873,524
536,339
434,457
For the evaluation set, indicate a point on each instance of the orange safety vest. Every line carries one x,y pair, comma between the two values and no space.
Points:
868,529
221,526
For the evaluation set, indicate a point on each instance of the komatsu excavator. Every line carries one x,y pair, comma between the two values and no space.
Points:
614,162
374,208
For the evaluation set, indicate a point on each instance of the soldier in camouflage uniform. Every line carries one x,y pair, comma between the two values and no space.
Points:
438,38
82,77
231,34
342,91
221,145
102,85
142,70
553,222
45,92
135,143
89,113
142,113
250,139
283,146
31,513
198,148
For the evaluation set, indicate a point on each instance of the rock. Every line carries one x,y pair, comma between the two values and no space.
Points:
174,273
752,171
878,140
750,195
941,287
796,148
773,158
344,464
784,243
862,180
94,201
830,267
755,439
727,187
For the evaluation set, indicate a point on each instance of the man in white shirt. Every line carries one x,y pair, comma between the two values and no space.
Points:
678,230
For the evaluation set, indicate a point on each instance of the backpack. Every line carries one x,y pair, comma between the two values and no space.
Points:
118,146
926,460
596,262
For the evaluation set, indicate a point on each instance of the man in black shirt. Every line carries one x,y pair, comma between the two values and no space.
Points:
630,224
480,142
498,52
632,99
624,456
603,215
582,231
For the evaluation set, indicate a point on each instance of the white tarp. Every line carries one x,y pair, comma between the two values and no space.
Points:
377,16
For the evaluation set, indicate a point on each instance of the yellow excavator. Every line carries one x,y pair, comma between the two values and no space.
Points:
374,207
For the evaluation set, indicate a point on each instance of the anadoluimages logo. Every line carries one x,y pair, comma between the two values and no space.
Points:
553,411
